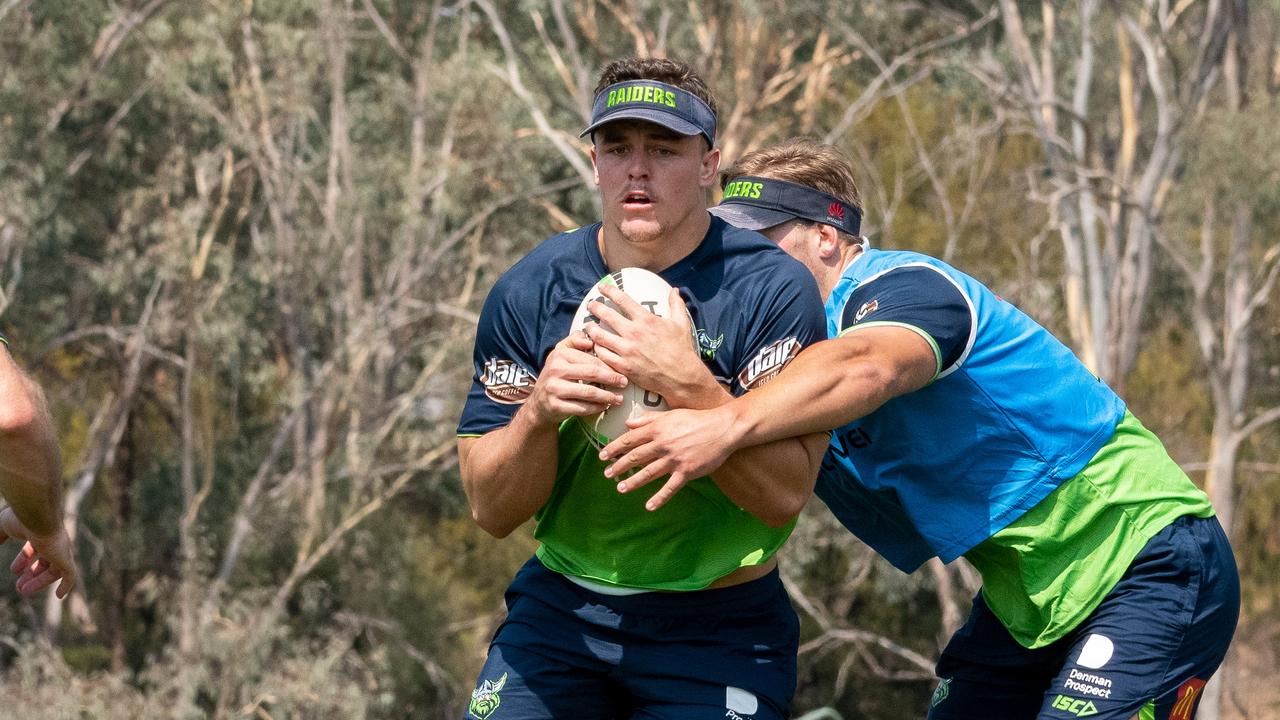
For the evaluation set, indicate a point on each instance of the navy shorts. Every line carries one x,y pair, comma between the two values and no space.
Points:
567,652
1155,640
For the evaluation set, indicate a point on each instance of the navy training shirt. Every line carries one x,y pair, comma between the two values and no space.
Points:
753,308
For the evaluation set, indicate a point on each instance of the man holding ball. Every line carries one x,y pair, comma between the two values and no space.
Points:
627,611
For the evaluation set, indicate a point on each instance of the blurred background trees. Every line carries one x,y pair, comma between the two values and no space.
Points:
243,244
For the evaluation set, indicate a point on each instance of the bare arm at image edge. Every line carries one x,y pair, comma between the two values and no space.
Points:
31,483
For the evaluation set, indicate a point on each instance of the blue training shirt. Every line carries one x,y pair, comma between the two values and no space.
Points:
1010,416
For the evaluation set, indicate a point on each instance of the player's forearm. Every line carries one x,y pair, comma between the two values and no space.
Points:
30,469
830,384
509,473
700,392
36,498
773,481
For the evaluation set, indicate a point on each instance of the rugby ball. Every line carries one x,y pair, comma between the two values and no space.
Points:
651,292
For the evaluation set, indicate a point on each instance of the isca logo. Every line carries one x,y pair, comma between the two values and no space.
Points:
1075,706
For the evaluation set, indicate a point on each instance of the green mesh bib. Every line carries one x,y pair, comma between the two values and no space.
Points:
590,530
1049,569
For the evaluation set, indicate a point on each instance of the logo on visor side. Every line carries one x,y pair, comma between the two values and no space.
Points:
835,211
742,189
768,362
506,382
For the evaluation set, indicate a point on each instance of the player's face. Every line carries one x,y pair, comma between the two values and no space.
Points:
652,181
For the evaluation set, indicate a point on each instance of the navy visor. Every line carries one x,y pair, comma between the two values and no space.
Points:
655,102
756,203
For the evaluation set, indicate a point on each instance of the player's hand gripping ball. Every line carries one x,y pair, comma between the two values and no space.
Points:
651,292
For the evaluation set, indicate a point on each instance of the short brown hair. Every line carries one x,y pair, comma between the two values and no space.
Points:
664,70
803,161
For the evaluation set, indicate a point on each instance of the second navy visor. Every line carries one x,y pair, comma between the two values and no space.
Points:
756,203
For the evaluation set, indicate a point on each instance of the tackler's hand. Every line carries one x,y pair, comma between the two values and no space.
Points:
685,444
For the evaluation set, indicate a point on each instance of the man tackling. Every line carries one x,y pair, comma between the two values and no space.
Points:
962,427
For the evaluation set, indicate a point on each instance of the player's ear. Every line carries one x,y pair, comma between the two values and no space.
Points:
828,241
710,171
595,172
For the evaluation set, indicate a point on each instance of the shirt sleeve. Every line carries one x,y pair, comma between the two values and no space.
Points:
788,318
505,361
920,298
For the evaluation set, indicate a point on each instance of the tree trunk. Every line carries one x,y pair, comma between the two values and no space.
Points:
120,577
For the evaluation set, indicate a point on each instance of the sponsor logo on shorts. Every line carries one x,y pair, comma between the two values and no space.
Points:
1097,651
740,704
1188,694
1087,684
866,309
506,382
941,692
706,346
485,699
768,363
1075,706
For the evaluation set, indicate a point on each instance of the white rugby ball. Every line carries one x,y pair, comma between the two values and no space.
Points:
651,292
